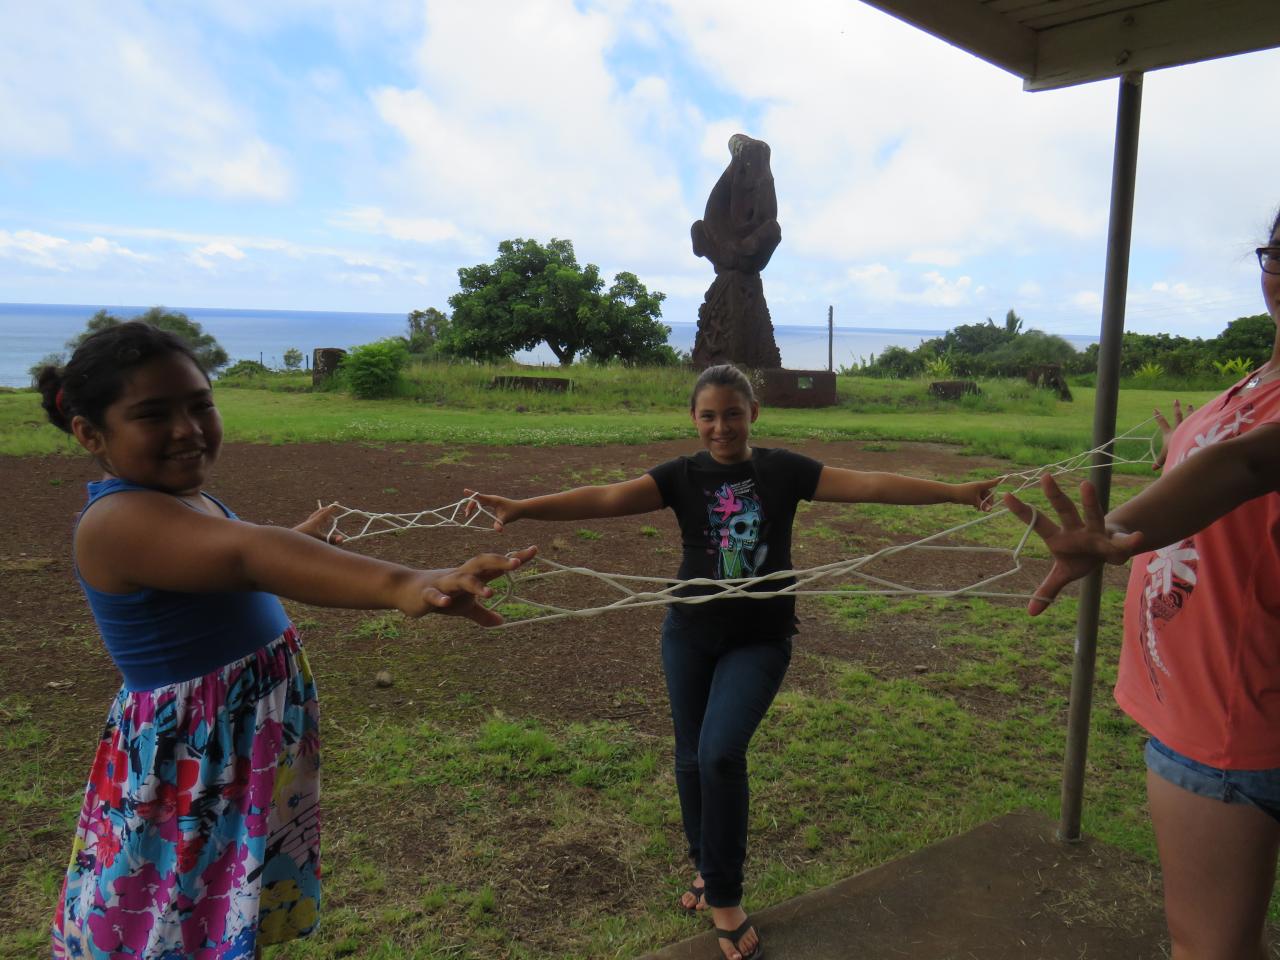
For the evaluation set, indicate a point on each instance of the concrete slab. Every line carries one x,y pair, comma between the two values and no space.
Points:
1007,889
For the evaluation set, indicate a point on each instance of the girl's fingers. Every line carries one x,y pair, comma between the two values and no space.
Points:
1061,503
474,585
1093,518
1019,509
483,616
522,556
1042,525
986,494
1161,422
436,598
1049,589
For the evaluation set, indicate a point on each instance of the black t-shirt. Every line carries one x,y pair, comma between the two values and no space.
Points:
735,521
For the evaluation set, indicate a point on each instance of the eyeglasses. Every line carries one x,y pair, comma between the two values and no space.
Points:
1269,259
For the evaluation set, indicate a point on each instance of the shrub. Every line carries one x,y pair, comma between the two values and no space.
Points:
1235,368
243,370
372,371
1148,373
939,368
897,363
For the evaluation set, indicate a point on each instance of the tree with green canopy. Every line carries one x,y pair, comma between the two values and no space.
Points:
207,349
538,293
1250,338
426,329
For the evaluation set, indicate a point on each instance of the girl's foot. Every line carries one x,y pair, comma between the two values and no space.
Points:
694,900
729,920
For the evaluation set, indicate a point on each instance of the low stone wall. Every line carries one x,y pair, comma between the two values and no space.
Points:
552,384
952,389
797,388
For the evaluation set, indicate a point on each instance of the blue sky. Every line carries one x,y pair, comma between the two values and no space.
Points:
352,154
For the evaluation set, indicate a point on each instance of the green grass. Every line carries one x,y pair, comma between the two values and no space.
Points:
1009,420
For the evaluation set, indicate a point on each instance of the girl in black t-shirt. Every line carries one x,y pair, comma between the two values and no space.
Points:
724,660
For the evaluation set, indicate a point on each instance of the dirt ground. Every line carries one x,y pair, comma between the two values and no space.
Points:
282,484
604,667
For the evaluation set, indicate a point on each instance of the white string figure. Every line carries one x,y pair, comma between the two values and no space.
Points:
641,591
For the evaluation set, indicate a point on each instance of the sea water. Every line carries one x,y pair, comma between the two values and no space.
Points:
32,331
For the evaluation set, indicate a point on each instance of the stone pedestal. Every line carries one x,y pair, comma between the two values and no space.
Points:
324,363
796,388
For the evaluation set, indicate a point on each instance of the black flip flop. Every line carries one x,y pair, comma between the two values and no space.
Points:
733,936
698,893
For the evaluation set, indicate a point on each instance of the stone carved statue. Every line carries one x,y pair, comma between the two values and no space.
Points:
738,233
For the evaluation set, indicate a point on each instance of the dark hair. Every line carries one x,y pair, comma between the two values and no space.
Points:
1275,225
99,369
724,375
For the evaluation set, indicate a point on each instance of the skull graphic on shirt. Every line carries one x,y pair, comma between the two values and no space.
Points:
735,522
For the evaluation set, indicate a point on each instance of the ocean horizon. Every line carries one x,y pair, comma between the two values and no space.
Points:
31,331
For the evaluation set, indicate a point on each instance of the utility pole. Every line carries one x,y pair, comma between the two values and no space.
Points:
831,337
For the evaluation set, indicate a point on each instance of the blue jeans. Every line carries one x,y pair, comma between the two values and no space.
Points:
1259,788
720,685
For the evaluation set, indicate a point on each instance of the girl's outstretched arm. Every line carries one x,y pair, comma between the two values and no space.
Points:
840,485
137,539
1186,499
584,503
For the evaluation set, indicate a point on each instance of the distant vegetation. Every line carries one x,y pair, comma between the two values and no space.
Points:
1151,360
207,349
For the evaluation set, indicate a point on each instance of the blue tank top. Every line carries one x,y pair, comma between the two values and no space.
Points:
158,637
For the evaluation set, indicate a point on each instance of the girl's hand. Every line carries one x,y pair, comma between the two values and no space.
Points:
458,591
320,525
980,494
504,509
1079,546
1166,431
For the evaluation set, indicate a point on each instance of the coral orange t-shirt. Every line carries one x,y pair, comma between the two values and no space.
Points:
1200,666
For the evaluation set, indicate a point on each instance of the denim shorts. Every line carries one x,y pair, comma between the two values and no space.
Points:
1259,788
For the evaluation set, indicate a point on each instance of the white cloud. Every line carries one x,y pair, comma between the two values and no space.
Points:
377,221
62,255
544,141
1087,300
877,282
203,257
221,248
123,82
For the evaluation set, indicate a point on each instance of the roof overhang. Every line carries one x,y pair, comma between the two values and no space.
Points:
1058,43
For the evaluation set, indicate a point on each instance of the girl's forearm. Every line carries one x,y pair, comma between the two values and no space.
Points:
583,503
912,491
904,491
301,568
588,503
1190,497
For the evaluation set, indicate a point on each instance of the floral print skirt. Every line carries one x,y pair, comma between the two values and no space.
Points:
199,836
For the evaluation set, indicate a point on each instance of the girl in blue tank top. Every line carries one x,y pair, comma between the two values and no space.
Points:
199,832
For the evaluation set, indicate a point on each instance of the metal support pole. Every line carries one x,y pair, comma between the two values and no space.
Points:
831,337
1119,233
